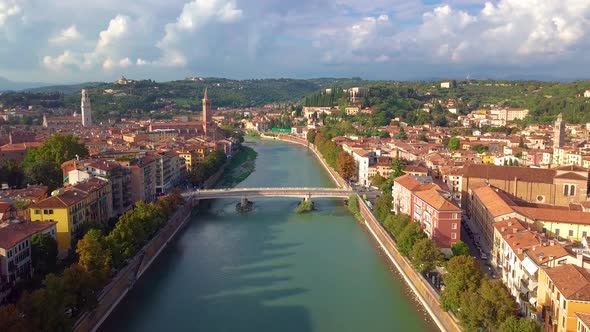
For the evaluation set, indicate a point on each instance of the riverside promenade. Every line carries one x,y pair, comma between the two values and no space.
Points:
427,296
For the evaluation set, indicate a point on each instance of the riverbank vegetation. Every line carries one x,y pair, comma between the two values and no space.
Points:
477,301
239,167
334,155
55,306
203,170
304,206
353,206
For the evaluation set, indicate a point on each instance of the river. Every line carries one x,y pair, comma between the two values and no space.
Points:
271,269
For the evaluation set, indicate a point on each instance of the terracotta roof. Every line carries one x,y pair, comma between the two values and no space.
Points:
509,226
557,215
544,254
571,176
573,282
573,168
521,240
509,173
104,165
494,203
32,193
434,198
19,146
407,182
584,317
13,233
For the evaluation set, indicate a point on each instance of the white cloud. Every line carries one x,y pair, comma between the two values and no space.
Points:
110,64
198,13
8,8
65,35
67,58
117,29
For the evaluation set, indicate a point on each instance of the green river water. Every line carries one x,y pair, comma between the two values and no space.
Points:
272,269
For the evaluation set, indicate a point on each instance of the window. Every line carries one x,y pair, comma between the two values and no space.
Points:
584,234
557,232
564,304
454,215
37,211
454,236
570,233
569,190
453,226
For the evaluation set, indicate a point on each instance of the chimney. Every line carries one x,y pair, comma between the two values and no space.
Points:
534,248
580,260
514,230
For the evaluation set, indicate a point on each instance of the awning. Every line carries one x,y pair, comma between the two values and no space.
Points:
530,265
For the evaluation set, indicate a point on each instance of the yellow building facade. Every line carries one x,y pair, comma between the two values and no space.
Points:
562,294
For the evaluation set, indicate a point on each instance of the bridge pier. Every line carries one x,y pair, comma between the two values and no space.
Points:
244,205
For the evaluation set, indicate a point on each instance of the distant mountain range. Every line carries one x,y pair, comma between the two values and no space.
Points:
8,85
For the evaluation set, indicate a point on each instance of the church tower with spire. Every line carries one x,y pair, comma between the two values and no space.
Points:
206,111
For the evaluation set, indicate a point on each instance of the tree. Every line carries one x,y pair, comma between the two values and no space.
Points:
411,234
425,256
11,173
346,166
454,143
43,172
515,324
377,180
395,223
383,206
43,254
463,274
95,256
397,168
401,135
311,135
82,288
11,319
44,308
487,307
460,248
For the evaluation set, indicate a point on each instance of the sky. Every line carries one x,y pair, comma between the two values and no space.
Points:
79,41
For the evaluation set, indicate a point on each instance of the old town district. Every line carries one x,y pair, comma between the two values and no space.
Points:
520,200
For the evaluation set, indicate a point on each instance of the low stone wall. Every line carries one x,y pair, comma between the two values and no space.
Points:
427,295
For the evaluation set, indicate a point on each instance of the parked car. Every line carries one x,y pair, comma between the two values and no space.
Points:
483,255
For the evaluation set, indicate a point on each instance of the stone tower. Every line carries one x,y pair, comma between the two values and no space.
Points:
559,132
86,109
206,111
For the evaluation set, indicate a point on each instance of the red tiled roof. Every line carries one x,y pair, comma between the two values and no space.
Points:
572,281
13,233
509,173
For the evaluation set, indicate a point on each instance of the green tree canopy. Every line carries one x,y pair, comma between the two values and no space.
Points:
425,256
95,256
515,324
454,143
383,206
463,274
43,254
460,248
411,234
396,223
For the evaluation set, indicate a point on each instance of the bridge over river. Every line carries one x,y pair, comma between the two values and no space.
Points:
303,193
